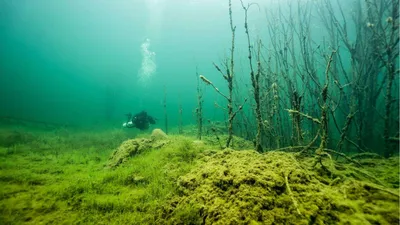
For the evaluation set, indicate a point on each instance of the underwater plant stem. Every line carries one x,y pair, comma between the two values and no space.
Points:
388,101
390,42
199,110
229,78
355,144
208,82
364,173
240,108
232,116
259,147
324,108
296,126
388,104
305,149
255,77
315,120
291,193
346,126
342,155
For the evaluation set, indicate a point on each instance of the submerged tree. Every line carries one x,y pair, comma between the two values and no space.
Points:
229,78
255,79
373,49
199,109
348,74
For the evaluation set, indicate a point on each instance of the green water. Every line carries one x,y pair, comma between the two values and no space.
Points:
327,78
67,61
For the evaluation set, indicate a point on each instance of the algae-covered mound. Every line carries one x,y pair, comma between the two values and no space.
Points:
245,187
132,147
158,135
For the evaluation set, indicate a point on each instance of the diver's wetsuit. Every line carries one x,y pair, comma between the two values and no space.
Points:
141,121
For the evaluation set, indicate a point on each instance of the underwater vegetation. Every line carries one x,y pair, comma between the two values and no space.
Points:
329,97
57,178
312,139
65,177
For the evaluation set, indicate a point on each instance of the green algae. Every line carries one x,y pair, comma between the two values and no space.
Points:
58,180
245,187
128,149
59,177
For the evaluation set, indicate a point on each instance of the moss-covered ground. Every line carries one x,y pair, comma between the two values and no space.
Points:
65,177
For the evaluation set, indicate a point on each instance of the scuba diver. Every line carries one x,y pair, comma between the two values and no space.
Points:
140,121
